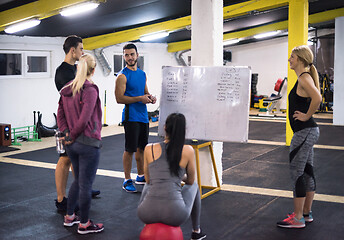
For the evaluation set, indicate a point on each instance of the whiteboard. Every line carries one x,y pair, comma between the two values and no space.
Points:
214,100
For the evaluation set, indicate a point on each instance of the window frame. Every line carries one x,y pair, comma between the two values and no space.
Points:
46,54
123,62
24,64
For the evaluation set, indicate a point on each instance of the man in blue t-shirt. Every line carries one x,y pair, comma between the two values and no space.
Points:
131,89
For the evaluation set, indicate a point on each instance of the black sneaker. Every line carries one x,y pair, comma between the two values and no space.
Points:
95,193
90,228
61,206
198,236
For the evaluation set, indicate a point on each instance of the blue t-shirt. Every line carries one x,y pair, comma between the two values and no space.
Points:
136,82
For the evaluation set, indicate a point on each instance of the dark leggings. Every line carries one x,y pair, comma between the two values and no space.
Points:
301,160
85,161
173,211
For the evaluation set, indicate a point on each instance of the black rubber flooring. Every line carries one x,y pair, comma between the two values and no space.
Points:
27,196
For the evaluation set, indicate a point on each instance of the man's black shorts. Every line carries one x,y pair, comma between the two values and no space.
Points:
136,135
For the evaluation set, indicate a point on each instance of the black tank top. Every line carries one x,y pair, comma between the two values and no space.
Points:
298,103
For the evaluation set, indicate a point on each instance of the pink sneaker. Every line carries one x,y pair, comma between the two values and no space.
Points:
90,228
70,221
292,222
308,217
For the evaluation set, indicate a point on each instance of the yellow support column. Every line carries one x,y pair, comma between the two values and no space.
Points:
297,35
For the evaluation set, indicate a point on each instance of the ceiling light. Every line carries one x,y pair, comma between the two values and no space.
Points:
153,36
267,34
78,9
231,42
22,25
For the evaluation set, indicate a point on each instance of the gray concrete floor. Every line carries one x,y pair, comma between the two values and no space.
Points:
254,196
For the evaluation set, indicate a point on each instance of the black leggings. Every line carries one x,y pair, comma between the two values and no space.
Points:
301,160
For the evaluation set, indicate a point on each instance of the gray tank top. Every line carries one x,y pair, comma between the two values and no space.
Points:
162,183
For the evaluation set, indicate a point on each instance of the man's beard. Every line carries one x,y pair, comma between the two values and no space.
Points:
131,65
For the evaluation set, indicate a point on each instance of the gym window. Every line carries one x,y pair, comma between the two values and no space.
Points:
10,64
15,64
37,64
119,63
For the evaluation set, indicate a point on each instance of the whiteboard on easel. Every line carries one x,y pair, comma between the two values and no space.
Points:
214,100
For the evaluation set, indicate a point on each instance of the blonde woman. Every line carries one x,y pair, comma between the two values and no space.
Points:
304,100
79,117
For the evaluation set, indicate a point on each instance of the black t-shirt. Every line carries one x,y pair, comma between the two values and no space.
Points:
64,74
298,103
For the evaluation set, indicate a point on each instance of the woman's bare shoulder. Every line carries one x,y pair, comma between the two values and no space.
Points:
305,79
188,149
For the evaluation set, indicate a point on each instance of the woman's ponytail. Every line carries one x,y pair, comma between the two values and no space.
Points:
85,68
175,132
314,73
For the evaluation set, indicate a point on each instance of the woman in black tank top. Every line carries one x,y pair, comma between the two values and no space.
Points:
304,100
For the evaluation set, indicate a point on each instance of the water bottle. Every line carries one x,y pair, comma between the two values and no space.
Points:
59,142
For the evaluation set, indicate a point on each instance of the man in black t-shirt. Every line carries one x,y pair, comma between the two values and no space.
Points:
73,48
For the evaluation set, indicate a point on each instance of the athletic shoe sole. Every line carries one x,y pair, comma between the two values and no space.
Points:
90,231
128,190
292,226
70,224
199,238
140,183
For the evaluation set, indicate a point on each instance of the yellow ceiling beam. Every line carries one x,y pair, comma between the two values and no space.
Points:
314,18
249,6
184,45
257,30
134,34
325,16
40,9
172,25
179,46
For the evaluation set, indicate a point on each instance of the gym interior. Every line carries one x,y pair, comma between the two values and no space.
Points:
256,189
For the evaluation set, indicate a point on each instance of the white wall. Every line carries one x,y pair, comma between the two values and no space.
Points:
19,97
267,58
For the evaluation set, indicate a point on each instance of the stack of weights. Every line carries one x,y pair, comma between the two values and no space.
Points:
254,81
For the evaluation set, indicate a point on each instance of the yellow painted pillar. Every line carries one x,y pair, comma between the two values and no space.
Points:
297,35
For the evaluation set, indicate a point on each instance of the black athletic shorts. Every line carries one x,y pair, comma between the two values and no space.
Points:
136,135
